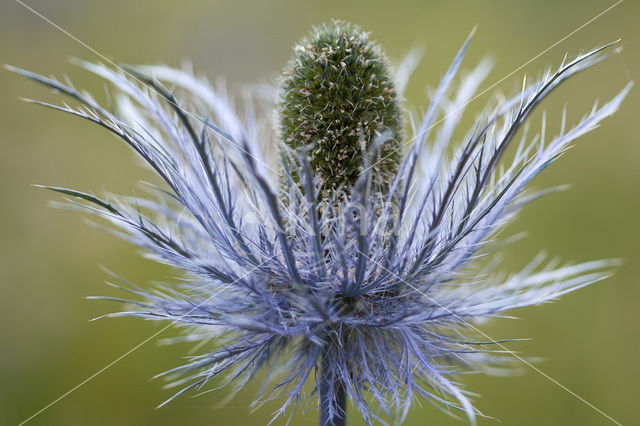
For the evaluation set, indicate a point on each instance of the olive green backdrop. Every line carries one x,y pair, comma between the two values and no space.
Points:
49,259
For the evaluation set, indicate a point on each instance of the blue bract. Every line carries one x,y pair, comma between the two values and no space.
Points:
372,299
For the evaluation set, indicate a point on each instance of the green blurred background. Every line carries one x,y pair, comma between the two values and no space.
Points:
49,259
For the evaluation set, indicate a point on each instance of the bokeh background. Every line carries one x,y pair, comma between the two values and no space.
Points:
49,259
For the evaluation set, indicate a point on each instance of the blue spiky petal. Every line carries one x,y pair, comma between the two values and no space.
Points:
381,297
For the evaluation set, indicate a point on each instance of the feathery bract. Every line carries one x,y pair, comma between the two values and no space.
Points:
363,298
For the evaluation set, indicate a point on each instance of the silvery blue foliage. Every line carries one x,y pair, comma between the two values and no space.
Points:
377,300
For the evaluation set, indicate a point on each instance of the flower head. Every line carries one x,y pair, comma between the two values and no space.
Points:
337,99
376,302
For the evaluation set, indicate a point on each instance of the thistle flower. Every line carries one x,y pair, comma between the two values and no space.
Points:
375,303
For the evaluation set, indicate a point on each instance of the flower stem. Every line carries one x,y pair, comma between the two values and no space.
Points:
331,388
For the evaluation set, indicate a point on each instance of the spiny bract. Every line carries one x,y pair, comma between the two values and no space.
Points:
376,303
337,99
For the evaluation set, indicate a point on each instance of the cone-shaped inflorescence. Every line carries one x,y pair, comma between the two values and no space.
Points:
338,102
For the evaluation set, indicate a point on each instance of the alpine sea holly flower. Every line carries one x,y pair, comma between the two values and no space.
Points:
348,262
